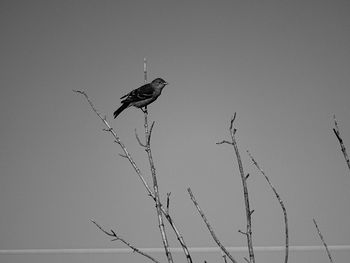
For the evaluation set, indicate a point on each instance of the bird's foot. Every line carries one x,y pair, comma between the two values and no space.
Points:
144,110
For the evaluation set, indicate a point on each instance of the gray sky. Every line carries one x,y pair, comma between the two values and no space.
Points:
283,66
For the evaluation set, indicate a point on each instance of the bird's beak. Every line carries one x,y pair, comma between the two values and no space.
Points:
166,83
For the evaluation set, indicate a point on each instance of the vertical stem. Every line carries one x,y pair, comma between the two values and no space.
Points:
154,178
145,70
245,191
145,112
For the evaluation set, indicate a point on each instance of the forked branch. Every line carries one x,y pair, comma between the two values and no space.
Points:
139,174
245,188
116,237
147,146
156,190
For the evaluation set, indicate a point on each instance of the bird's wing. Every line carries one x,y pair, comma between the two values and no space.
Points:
142,93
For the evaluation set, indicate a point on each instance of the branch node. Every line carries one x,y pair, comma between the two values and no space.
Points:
243,233
123,155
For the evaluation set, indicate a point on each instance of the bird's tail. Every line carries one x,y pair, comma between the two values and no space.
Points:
120,109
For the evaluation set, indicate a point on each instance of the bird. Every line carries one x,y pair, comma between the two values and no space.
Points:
142,96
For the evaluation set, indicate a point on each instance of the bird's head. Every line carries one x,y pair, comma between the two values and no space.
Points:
159,83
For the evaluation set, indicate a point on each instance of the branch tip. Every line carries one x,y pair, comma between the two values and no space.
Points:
138,139
233,118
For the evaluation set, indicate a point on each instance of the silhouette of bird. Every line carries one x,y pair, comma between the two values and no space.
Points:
142,96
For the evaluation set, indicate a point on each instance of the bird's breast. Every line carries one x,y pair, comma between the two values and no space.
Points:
143,103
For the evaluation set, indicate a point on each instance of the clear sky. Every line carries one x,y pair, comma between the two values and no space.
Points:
283,66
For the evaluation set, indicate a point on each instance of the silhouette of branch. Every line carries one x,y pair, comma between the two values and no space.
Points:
342,146
324,243
281,204
245,188
223,249
113,234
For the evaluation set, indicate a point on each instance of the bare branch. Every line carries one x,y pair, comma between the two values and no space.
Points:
243,233
245,188
156,190
140,175
123,155
224,257
178,235
154,176
145,70
138,139
116,139
233,118
281,204
224,141
342,146
118,238
324,243
150,133
223,249
167,202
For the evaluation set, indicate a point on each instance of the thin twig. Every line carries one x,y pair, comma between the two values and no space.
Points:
139,174
224,256
167,202
324,243
337,134
281,204
148,133
116,138
138,139
223,249
145,70
245,189
116,237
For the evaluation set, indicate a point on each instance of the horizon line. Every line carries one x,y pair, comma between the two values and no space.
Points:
161,250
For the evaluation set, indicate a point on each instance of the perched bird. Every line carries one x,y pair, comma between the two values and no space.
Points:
142,96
